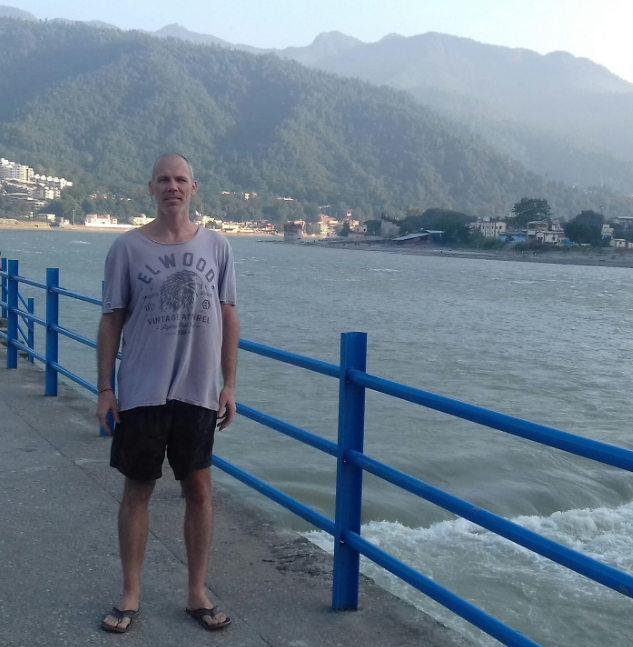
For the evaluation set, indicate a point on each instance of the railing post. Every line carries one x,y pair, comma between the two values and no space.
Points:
12,316
31,328
349,479
52,337
3,287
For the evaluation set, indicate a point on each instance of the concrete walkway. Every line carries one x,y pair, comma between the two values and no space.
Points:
59,565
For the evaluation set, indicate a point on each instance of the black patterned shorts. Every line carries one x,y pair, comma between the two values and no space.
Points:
184,431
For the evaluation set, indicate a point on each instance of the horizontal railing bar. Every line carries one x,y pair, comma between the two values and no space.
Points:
4,273
31,282
75,378
75,336
315,365
77,295
29,317
310,515
297,433
435,591
593,449
3,335
582,564
27,350
4,304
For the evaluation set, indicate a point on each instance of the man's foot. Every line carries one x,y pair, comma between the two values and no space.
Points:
206,614
119,622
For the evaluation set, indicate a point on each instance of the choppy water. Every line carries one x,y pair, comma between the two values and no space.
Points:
544,342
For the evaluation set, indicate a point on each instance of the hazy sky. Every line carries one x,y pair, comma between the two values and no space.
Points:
597,29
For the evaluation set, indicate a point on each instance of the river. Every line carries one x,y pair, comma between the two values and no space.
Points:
549,343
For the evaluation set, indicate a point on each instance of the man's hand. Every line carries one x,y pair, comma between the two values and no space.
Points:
107,404
227,409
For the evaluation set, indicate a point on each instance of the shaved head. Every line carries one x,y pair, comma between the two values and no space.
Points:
168,156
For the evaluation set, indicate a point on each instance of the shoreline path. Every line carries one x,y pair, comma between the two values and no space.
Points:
59,563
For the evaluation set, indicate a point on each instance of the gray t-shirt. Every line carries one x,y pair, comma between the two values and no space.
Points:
172,336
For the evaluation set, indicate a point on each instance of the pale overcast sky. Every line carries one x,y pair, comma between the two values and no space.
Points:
597,29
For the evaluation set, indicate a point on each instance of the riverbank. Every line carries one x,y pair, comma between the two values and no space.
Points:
43,226
604,257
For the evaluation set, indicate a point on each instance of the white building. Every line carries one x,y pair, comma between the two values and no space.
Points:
53,182
492,228
14,171
45,193
139,221
100,220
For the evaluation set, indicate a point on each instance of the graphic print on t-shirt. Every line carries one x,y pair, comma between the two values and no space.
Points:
179,291
177,294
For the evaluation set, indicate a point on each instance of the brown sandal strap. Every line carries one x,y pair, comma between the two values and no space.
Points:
120,615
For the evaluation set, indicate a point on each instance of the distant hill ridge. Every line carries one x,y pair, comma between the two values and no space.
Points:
13,12
103,104
561,116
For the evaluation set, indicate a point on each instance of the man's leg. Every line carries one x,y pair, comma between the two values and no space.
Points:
198,529
133,531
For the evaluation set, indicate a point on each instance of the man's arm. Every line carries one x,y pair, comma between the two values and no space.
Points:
108,342
230,341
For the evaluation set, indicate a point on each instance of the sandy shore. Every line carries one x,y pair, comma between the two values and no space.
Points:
42,226
602,257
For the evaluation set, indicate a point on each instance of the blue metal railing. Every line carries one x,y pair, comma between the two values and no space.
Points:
351,460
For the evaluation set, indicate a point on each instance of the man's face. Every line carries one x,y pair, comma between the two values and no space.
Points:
172,185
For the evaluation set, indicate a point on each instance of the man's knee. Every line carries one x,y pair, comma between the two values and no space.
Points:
137,492
197,487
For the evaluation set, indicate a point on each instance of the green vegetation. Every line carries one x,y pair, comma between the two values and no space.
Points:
98,106
586,229
529,210
453,223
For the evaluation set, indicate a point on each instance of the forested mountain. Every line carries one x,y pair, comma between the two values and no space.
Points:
558,114
562,117
100,105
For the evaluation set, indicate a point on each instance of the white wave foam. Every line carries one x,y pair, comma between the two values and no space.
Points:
79,242
523,589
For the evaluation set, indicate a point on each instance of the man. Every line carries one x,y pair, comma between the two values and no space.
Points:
170,289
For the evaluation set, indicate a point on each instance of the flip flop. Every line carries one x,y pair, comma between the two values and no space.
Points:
120,615
199,614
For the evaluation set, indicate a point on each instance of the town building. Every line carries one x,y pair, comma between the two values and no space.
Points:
139,221
14,171
292,232
389,229
626,222
327,225
490,228
100,220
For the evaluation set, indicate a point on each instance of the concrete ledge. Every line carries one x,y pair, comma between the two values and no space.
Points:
59,564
